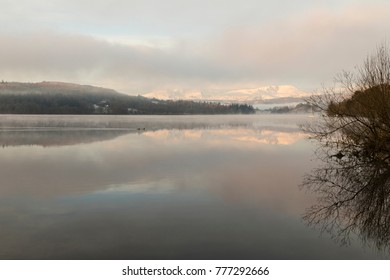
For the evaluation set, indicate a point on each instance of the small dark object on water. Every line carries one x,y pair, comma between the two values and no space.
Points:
339,155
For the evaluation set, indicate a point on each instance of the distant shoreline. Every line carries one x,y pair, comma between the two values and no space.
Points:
71,99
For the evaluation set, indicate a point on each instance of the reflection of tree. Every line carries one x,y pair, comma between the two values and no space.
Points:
57,137
354,197
353,133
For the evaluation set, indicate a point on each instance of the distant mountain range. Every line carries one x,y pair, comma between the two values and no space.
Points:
260,95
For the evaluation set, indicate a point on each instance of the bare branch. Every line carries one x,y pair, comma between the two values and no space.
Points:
353,138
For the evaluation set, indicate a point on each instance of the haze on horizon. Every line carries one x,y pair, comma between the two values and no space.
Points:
143,46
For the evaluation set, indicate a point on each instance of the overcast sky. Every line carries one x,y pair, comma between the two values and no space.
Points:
138,46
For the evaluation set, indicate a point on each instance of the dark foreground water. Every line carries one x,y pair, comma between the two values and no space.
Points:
156,187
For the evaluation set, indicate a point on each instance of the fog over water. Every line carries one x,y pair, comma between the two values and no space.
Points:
159,187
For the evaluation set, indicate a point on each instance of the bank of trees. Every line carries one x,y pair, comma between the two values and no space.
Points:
66,103
355,114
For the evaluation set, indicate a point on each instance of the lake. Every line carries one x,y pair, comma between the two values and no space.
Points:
159,187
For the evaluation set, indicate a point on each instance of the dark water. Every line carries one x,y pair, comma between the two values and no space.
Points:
153,187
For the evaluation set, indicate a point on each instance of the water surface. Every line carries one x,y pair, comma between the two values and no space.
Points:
158,187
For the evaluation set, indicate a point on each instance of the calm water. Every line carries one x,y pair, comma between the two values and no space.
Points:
153,187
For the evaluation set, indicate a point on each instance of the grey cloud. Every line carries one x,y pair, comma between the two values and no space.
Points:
311,48
304,51
171,17
75,57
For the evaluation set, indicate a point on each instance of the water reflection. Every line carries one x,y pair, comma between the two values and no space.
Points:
56,137
52,130
79,162
220,136
353,189
183,188
147,122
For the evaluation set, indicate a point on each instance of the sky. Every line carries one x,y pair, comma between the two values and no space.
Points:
141,46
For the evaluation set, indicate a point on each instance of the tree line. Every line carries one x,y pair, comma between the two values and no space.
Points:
114,104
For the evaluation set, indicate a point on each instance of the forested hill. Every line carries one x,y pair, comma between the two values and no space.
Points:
66,98
372,103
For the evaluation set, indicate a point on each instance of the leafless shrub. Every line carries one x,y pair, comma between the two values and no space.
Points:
353,137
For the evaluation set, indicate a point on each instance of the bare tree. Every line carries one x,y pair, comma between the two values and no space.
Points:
353,137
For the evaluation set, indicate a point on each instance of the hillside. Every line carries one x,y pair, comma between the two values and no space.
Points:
66,98
372,103
52,88
301,108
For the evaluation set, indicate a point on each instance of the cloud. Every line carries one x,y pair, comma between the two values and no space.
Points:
304,49
307,49
58,56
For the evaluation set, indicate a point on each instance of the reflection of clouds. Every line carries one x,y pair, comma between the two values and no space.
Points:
128,194
234,162
274,138
164,161
243,177
193,134
164,133
52,136
170,134
162,186
268,137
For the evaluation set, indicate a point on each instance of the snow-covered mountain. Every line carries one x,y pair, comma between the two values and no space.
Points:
175,95
269,94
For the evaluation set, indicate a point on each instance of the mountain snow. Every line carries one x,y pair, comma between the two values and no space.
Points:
247,95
